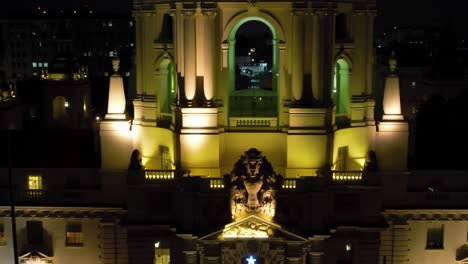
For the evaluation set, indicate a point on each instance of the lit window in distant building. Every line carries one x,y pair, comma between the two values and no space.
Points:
130,23
413,84
127,74
34,182
111,54
46,64
39,64
435,236
34,64
2,235
161,255
109,24
74,235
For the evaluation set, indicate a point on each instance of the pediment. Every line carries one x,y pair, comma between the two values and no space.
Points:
35,257
253,227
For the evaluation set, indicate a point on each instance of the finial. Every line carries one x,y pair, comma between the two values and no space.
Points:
116,63
392,62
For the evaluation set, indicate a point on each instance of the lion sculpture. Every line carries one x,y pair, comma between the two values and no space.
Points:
253,185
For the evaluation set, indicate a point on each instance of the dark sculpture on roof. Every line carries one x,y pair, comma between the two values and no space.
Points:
253,186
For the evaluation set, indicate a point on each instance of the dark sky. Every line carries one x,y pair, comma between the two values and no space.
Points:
102,6
391,12
422,12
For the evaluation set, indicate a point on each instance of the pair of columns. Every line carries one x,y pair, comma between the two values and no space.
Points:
206,22
320,53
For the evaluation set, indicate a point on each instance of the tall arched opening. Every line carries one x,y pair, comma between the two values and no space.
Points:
340,92
166,87
253,69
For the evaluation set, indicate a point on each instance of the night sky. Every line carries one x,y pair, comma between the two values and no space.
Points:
416,13
391,12
102,6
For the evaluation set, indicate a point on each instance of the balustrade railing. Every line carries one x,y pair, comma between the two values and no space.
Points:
347,176
216,183
160,174
289,184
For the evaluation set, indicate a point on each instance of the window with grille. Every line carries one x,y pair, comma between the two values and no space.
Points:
74,235
165,158
435,236
341,158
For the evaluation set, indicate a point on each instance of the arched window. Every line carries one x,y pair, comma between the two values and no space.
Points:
59,107
167,85
340,92
253,69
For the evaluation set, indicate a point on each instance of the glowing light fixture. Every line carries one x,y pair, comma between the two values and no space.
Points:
156,245
348,247
251,260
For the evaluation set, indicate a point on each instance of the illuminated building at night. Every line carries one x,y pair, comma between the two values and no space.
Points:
252,140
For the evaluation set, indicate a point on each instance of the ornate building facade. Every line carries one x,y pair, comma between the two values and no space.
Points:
252,140
298,110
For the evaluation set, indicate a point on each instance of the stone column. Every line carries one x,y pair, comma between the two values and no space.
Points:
212,260
315,257
190,66
297,67
190,257
317,55
293,260
208,52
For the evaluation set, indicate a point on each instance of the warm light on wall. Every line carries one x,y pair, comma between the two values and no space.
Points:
195,142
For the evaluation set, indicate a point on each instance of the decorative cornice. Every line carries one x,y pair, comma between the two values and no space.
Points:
188,12
365,12
298,12
63,212
425,215
323,11
209,12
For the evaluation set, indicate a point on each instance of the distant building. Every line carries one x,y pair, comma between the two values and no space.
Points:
31,43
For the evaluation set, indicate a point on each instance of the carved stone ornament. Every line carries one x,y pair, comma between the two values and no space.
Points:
253,185
249,229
